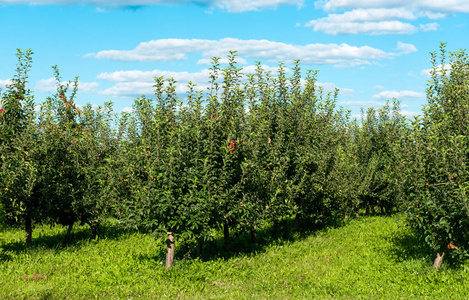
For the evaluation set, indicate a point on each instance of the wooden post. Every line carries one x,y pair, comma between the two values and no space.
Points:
169,250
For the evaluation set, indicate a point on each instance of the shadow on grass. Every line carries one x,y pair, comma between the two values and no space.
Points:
410,245
55,238
241,244
266,237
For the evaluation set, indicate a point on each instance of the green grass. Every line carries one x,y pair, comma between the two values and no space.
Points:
367,258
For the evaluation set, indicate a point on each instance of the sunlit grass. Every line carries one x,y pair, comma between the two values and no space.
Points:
370,257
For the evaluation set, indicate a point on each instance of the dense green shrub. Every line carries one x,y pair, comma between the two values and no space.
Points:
19,150
437,173
252,148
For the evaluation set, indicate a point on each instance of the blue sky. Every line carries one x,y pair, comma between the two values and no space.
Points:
371,50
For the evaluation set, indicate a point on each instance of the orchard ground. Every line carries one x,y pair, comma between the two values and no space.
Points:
373,257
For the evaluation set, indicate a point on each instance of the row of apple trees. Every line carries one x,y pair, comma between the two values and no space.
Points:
252,149
436,172
52,157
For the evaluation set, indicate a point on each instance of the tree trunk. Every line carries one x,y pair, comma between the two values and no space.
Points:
297,223
94,229
29,230
226,234
69,231
199,248
253,235
438,259
275,228
169,250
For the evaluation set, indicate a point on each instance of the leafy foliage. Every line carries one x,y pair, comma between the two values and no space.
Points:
437,173
251,149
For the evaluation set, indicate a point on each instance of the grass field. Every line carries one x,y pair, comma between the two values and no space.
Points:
366,258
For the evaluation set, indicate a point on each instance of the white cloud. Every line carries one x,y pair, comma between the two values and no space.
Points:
4,83
372,21
49,86
252,69
406,48
87,87
361,103
429,27
342,55
165,50
408,113
222,61
229,5
148,76
384,16
330,87
46,85
196,77
373,28
399,95
378,87
248,5
405,113
136,82
93,106
432,15
367,104
127,109
439,68
427,5
372,15
133,89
